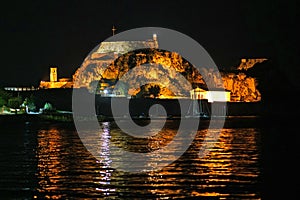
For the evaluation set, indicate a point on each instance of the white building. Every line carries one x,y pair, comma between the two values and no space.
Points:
215,95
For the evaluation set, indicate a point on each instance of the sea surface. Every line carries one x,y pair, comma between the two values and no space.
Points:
47,160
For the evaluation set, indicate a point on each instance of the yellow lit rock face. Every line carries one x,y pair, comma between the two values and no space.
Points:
107,63
168,65
249,63
242,88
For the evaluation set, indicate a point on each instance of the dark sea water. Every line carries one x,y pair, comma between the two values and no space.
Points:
47,160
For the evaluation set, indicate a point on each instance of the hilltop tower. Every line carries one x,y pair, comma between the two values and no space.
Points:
155,40
55,82
53,74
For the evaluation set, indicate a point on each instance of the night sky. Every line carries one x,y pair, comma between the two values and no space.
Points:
36,35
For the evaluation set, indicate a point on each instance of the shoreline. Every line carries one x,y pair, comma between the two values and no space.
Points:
68,117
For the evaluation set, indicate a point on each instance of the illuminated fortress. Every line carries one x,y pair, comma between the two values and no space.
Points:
102,69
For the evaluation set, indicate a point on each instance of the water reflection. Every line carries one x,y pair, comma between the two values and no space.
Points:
67,170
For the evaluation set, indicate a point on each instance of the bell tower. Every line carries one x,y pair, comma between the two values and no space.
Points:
53,74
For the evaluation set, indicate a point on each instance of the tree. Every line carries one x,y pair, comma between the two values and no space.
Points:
48,107
154,90
2,101
142,93
4,96
149,90
29,103
15,103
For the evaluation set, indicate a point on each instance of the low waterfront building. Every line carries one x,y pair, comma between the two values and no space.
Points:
20,89
213,95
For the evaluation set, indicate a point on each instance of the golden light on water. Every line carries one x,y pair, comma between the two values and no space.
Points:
231,161
49,164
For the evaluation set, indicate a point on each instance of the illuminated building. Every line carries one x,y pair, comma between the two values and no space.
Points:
214,95
54,82
53,74
20,89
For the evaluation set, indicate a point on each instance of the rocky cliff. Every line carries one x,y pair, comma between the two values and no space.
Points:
104,68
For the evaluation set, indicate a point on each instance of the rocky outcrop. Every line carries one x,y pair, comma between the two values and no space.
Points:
241,87
167,69
249,63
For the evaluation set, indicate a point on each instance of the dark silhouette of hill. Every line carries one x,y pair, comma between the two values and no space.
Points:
280,138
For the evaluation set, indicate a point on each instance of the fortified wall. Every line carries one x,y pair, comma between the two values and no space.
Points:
109,61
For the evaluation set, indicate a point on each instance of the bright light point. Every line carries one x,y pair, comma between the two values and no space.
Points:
154,36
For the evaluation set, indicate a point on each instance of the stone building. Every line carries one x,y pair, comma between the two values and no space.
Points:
54,82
